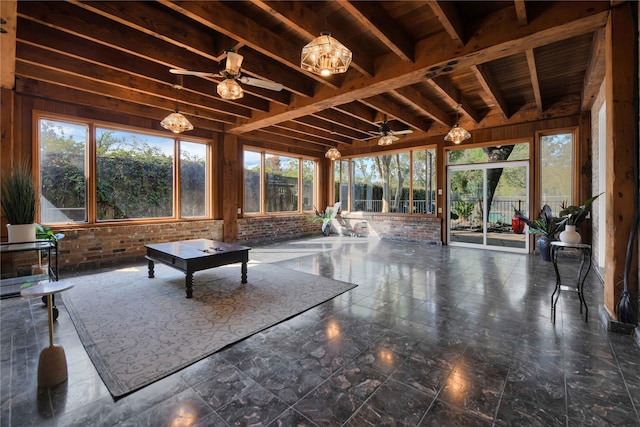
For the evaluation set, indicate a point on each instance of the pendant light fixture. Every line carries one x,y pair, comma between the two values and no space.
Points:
457,134
332,153
176,122
325,56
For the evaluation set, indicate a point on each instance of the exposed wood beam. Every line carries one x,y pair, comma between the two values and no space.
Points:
302,133
45,66
498,38
533,72
301,18
394,110
143,17
443,85
359,111
222,18
447,15
97,87
9,14
323,126
43,89
595,70
338,120
373,17
424,104
88,26
521,12
491,93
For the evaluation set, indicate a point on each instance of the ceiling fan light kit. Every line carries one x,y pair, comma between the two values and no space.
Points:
230,89
387,140
325,56
176,122
332,154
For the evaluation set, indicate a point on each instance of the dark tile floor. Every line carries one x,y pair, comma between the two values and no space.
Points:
432,335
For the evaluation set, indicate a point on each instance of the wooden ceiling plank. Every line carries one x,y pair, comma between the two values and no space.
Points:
150,20
81,23
443,85
447,15
100,87
340,119
533,72
308,24
498,38
43,89
219,17
308,134
595,73
42,59
186,37
9,13
373,17
395,111
358,111
521,12
413,97
324,126
492,93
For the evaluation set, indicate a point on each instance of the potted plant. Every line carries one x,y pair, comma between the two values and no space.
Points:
547,226
574,216
19,202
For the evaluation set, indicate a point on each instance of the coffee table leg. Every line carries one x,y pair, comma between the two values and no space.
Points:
151,274
189,284
244,272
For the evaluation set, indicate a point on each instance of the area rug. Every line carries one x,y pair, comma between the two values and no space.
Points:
138,330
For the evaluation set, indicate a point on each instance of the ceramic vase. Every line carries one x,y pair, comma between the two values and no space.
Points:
544,246
570,235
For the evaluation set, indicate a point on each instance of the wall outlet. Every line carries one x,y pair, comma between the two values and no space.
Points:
239,211
439,191
439,210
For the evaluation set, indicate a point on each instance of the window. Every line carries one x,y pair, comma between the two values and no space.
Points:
400,182
133,174
63,184
556,172
193,189
280,179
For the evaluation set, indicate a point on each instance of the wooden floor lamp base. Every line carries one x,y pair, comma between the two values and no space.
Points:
52,367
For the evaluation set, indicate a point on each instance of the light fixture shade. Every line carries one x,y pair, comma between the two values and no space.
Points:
387,139
176,123
332,154
230,89
457,134
325,56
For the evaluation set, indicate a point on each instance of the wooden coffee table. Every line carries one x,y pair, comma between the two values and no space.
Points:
190,256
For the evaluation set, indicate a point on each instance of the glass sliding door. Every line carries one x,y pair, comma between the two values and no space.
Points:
481,203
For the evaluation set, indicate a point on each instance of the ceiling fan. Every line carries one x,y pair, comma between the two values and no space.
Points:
387,135
229,87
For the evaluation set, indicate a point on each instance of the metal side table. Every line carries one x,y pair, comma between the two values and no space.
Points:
578,287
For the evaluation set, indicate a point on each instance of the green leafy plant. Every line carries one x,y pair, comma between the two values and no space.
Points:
463,209
45,233
18,194
576,214
546,224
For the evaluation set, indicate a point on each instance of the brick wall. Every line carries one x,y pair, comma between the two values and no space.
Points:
272,228
105,246
399,227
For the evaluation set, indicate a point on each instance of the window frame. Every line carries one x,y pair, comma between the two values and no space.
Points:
91,165
263,192
410,175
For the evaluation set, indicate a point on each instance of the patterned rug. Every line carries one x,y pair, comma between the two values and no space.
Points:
138,330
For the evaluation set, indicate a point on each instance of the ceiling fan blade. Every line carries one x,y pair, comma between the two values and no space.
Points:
193,73
402,132
264,84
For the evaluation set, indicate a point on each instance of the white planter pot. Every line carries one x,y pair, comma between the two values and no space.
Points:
18,233
570,235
